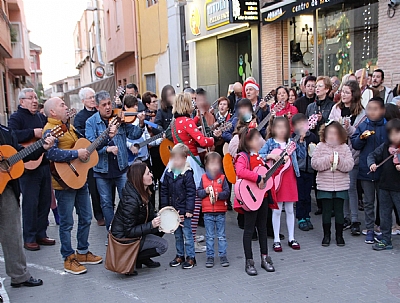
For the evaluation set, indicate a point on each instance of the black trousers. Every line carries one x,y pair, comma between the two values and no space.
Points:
95,196
158,167
257,219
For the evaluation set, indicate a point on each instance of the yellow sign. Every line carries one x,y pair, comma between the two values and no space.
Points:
195,21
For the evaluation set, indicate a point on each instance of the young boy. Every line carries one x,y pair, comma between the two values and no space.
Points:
364,140
179,191
389,189
306,179
214,207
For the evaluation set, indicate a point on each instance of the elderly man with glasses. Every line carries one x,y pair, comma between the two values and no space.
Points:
27,124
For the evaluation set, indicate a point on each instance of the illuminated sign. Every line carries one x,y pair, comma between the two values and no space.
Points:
245,11
217,13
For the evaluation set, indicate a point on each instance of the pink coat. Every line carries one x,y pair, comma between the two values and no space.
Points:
328,180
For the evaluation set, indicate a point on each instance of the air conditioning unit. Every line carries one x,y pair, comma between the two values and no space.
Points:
109,69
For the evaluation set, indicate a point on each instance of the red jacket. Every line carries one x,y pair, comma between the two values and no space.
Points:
189,134
289,111
220,186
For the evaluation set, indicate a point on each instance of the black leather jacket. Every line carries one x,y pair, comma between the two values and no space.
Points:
130,218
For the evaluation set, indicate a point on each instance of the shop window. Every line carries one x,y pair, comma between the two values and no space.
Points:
151,82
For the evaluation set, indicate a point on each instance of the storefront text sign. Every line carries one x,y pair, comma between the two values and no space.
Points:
245,11
217,13
294,9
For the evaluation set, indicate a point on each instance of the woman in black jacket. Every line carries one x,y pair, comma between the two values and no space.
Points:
135,217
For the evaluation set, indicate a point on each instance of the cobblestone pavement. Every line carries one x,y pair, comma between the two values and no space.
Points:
354,273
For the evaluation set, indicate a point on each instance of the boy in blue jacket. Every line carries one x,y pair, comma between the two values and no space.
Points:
179,191
369,135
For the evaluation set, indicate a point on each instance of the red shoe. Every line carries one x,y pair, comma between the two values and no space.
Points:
294,244
277,246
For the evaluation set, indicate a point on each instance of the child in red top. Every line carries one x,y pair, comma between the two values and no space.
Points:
214,190
249,145
282,95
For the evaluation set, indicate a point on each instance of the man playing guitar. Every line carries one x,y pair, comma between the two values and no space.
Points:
56,111
27,124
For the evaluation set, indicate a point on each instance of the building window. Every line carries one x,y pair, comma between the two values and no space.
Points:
117,14
108,26
151,82
59,88
151,2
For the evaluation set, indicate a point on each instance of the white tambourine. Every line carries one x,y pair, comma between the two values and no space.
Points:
311,148
335,161
169,220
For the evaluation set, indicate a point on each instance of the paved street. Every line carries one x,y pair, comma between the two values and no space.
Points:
354,273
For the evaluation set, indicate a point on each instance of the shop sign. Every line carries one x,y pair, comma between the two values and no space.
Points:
217,13
245,11
294,9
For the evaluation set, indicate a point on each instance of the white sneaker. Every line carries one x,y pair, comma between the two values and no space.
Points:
200,238
395,231
198,248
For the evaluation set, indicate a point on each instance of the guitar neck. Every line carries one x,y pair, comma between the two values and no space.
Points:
264,122
276,165
148,141
99,140
25,152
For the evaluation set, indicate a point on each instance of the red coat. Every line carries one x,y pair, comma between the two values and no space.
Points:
289,111
190,135
217,185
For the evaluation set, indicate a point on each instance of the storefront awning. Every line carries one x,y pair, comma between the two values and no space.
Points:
270,15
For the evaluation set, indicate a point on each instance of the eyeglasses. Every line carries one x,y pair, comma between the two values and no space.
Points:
31,98
320,85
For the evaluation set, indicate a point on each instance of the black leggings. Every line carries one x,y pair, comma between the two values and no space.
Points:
337,205
257,219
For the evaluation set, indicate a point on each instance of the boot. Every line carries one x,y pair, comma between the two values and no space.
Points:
56,216
144,258
339,234
327,234
250,269
266,263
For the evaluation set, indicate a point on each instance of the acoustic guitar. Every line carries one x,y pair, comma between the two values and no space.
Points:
73,174
31,165
140,143
11,164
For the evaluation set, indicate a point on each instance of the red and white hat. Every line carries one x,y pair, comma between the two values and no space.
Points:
249,83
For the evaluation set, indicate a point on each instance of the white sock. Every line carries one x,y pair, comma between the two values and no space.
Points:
290,219
276,221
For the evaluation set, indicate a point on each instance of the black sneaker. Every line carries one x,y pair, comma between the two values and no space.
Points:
177,261
210,262
310,226
189,263
303,225
355,229
346,224
224,261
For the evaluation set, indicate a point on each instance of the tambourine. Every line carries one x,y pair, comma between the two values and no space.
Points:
170,220
311,148
212,195
366,134
335,161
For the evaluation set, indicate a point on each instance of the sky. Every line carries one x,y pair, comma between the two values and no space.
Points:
51,24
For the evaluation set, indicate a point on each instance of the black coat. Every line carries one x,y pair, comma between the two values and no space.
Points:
303,102
23,122
80,120
179,192
130,218
7,137
164,118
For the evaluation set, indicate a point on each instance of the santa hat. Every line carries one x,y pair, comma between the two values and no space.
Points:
249,83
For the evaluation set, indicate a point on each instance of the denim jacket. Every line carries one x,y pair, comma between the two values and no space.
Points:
299,152
95,126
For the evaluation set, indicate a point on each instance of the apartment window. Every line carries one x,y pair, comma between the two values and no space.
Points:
151,2
108,26
59,88
151,82
117,13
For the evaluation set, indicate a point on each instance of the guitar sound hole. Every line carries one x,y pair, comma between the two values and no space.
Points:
4,165
85,161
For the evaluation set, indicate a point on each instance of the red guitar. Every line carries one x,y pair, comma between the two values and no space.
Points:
249,194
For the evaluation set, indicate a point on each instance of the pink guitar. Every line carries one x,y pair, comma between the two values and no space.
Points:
312,122
249,195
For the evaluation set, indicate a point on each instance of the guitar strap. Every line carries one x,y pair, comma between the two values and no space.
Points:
180,141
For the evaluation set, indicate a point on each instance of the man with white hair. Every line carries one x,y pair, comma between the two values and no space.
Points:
86,95
27,124
235,96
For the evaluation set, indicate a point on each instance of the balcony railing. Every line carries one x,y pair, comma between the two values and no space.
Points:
17,50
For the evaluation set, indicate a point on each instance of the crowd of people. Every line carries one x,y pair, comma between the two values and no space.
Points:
340,138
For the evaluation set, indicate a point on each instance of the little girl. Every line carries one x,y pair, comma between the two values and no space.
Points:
246,161
333,161
278,138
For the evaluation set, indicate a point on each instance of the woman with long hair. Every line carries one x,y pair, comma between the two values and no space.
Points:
292,95
164,114
135,217
350,113
289,110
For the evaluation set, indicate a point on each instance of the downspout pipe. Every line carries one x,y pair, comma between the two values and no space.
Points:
97,29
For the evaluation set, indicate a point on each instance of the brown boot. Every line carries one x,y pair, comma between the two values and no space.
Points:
72,266
88,258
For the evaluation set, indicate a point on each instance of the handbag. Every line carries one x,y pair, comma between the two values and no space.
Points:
122,253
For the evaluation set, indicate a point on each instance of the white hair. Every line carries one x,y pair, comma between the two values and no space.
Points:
83,92
22,93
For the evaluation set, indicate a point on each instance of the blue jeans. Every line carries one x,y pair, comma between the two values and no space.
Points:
387,201
187,243
351,205
214,223
105,188
66,201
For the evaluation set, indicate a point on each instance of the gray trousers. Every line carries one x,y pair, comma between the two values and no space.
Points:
370,189
153,241
351,205
11,237
387,200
